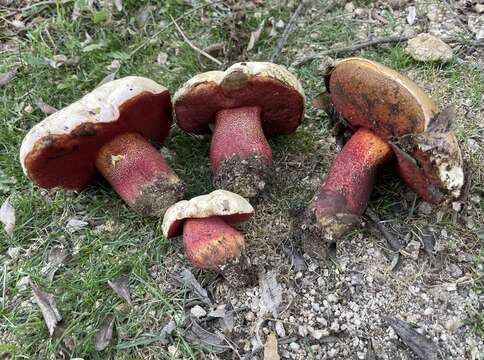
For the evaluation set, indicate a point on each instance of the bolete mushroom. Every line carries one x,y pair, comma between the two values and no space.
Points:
243,105
209,238
392,117
108,131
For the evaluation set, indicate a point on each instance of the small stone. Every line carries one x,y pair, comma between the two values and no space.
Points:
332,298
456,206
13,252
302,331
349,7
162,58
453,324
315,306
454,271
280,24
428,311
172,350
425,47
334,326
280,330
412,15
425,208
360,12
479,8
318,334
198,312
294,346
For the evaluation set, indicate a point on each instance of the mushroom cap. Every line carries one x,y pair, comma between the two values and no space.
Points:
371,95
269,86
374,96
60,151
231,207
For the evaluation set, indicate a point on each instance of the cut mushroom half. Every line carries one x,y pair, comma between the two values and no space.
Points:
108,131
244,105
209,237
392,118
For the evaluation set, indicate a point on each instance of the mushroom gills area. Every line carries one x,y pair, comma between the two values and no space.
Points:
240,155
344,195
139,174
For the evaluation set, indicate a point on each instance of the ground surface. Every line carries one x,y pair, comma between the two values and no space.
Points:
331,309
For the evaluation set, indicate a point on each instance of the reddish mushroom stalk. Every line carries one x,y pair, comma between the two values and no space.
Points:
239,147
211,242
344,195
138,173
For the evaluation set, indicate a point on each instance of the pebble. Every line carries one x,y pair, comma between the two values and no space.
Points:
198,311
453,324
332,298
13,252
302,331
318,334
454,271
294,346
280,330
425,47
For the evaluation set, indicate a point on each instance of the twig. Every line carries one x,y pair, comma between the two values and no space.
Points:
285,34
363,45
167,26
392,241
193,46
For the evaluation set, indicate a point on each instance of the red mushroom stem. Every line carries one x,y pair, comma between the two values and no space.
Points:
139,174
344,195
239,151
211,243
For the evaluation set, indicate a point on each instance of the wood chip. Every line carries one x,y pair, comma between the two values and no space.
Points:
120,285
48,307
270,348
104,335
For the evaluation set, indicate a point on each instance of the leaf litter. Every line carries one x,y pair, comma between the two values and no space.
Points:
8,76
48,307
104,335
120,286
56,259
271,293
186,279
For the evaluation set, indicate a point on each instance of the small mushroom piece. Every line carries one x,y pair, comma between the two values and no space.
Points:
393,118
108,130
243,105
209,238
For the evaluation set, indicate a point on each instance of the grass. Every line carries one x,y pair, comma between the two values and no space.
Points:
135,245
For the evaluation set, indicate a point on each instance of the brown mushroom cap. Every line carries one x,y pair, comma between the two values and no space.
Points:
61,150
269,86
231,207
371,95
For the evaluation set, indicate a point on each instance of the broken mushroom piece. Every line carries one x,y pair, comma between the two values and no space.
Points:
392,117
243,105
209,238
108,130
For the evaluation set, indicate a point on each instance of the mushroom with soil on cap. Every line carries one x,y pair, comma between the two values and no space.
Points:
209,237
108,131
243,105
393,118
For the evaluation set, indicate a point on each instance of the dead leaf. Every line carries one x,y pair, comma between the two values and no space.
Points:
197,335
56,258
120,285
107,78
74,225
168,329
115,65
254,36
186,278
271,293
8,76
322,101
270,348
62,60
45,108
424,348
225,317
7,216
104,335
48,307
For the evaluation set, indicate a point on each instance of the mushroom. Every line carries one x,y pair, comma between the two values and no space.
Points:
108,130
393,118
209,238
243,105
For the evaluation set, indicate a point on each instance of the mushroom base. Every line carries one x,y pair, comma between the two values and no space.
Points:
139,174
344,196
243,176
